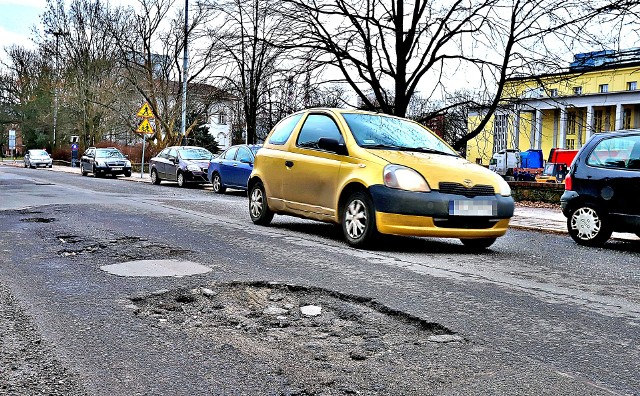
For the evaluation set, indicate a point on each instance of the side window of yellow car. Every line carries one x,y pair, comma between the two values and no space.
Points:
283,130
318,126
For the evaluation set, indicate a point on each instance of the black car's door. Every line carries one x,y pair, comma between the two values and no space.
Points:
159,163
614,172
171,165
86,162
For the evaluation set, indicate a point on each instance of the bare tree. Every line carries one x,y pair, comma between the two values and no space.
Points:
387,49
249,35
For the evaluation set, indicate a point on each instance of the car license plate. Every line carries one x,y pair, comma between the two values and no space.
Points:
116,169
472,208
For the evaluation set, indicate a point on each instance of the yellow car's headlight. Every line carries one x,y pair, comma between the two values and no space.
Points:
403,178
505,190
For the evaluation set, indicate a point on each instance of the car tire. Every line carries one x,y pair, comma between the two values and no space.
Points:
588,226
359,220
127,174
82,171
25,164
154,177
477,244
50,166
95,173
258,206
180,179
218,188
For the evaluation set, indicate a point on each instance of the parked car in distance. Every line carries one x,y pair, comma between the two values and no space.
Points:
181,164
104,161
232,168
373,173
36,158
602,188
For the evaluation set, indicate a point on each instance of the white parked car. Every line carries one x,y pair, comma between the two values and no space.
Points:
37,158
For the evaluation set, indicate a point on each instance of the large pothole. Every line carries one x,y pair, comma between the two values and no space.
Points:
319,340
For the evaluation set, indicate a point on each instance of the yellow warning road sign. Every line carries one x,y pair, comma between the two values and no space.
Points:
145,127
145,111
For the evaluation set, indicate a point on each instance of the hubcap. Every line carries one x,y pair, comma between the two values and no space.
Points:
586,223
216,183
257,202
356,219
180,179
153,176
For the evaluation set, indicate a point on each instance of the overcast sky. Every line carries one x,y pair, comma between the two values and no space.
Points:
17,17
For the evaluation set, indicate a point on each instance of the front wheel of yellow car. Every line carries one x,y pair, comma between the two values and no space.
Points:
258,207
359,220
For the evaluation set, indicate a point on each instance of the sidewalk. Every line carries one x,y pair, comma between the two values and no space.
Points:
540,219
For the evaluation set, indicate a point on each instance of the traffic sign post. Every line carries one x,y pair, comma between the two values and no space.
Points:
144,128
12,142
74,154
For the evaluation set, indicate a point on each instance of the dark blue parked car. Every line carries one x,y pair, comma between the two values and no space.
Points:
182,164
232,168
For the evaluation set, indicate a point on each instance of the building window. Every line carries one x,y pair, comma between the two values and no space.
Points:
626,119
553,92
500,132
597,120
222,119
571,123
603,88
570,144
479,161
632,85
577,90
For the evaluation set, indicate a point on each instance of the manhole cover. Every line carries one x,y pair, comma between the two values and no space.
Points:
156,268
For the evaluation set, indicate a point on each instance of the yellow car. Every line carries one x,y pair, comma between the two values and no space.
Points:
373,173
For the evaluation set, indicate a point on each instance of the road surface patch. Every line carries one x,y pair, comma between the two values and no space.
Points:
156,268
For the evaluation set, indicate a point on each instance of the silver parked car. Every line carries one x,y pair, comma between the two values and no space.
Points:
36,158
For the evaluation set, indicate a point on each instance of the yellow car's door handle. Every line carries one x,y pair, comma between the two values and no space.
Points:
288,164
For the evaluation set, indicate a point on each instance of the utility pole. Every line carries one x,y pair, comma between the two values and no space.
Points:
185,64
57,34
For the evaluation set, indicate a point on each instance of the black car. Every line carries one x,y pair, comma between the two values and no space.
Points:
103,161
603,188
182,164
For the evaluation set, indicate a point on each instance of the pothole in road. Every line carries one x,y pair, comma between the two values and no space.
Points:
318,340
156,268
38,220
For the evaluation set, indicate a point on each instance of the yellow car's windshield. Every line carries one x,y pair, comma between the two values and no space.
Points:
375,131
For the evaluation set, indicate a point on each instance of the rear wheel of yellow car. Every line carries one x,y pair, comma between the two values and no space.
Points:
258,207
359,220
478,243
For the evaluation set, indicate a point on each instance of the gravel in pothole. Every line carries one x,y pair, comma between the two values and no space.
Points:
321,342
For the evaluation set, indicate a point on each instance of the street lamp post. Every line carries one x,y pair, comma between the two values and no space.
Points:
57,34
185,63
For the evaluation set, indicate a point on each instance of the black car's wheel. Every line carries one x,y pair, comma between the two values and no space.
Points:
180,179
154,177
477,244
359,220
588,226
127,174
258,206
95,173
25,164
218,188
84,173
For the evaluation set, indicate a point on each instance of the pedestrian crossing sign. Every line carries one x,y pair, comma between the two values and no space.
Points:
145,111
145,127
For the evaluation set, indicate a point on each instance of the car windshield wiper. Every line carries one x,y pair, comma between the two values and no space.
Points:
382,146
427,150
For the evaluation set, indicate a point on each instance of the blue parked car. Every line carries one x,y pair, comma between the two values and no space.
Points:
232,168
182,164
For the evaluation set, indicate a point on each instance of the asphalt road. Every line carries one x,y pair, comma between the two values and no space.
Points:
536,314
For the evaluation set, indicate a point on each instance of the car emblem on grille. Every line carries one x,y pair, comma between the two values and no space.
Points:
467,183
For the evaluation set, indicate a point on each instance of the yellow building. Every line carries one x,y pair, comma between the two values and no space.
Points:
599,92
